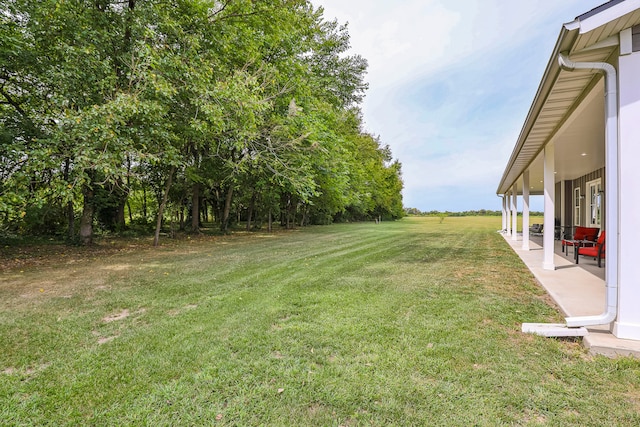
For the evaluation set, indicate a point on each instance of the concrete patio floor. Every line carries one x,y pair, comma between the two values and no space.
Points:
578,290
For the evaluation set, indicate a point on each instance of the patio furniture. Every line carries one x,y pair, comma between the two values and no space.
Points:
536,229
586,236
596,251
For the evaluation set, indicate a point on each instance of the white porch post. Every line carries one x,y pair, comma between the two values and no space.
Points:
525,210
622,261
508,201
504,212
514,212
549,207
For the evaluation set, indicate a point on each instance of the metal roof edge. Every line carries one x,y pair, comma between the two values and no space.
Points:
606,13
567,37
597,10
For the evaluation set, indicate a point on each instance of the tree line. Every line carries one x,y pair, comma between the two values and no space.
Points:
123,112
479,212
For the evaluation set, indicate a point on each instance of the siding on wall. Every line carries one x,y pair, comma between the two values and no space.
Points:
568,203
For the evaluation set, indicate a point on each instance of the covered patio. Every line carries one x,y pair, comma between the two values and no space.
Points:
568,256
578,149
578,290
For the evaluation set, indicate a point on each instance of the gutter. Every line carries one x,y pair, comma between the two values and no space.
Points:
611,188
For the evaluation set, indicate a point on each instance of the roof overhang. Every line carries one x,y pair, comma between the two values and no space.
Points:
568,106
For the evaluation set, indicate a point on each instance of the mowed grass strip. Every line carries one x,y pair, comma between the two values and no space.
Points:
414,322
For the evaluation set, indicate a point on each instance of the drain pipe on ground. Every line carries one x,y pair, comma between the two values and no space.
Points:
611,190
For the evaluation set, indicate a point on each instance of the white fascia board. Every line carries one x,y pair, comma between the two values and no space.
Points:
607,15
573,25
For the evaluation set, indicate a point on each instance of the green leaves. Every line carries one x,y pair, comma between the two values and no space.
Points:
236,97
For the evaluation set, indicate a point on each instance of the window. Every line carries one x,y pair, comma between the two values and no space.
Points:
576,206
594,194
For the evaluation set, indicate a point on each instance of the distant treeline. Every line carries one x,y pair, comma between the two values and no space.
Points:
481,212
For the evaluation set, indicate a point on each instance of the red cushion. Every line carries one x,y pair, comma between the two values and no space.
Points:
591,233
588,251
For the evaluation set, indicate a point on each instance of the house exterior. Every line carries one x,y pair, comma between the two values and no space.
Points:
580,148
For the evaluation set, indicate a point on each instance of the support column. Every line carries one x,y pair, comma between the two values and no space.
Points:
549,207
623,203
508,197
514,211
504,213
525,210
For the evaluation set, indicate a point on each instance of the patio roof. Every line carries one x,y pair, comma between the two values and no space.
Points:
569,106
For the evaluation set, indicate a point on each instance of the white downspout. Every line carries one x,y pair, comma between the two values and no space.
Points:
612,186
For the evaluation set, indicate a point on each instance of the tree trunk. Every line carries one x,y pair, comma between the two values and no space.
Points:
195,208
204,212
144,203
250,210
120,221
270,225
227,210
128,190
288,212
217,208
303,220
130,213
163,204
291,213
71,220
86,221
71,223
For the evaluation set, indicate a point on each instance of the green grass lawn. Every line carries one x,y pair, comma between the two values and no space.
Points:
410,323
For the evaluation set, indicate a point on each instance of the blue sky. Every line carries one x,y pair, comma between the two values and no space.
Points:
450,84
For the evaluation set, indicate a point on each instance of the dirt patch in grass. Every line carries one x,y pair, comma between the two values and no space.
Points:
41,272
104,340
117,316
117,267
15,258
27,372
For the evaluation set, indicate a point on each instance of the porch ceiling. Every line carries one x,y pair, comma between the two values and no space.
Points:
568,108
579,143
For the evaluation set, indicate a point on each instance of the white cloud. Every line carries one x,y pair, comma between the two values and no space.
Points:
398,38
450,85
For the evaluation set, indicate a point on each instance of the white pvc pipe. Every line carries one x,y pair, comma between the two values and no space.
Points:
611,189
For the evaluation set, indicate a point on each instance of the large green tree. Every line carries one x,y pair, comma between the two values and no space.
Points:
246,106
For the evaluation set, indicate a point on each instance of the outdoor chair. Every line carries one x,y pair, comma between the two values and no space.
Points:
596,251
536,229
585,236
